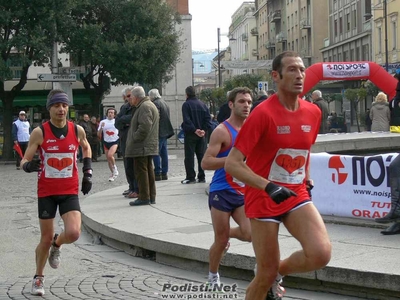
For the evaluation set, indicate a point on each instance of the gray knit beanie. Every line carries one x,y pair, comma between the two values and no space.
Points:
57,98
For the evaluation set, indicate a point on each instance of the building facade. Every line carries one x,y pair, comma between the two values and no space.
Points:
350,32
385,32
262,28
242,43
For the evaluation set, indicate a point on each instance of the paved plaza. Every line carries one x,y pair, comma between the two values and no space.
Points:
91,270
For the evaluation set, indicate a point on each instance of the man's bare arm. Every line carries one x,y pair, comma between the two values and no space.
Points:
236,166
210,160
35,141
86,150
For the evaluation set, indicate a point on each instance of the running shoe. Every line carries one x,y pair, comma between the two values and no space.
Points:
55,254
111,178
276,292
115,173
38,286
212,280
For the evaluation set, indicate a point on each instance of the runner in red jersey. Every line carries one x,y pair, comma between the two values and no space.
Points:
271,156
58,141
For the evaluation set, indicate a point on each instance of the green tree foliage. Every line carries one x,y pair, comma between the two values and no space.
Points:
214,98
330,98
371,88
247,80
129,41
355,96
27,31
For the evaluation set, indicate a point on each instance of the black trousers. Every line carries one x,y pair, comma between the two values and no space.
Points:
23,146
194,145
93,147
130,174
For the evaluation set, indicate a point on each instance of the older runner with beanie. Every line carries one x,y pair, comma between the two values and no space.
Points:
57,141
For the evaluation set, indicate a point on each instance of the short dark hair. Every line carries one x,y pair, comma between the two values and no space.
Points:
238,90
277,62
111,108
270,92
190,92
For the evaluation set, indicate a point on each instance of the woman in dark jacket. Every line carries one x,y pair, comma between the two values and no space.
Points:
394,104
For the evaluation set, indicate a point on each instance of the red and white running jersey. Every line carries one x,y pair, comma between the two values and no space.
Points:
59,175
276,143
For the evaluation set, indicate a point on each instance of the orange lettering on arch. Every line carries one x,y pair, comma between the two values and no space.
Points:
59,164
290,164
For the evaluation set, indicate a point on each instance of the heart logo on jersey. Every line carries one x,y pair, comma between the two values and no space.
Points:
289,163
110,133
59,164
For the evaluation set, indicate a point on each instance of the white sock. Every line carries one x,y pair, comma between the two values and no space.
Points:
213,275
279,277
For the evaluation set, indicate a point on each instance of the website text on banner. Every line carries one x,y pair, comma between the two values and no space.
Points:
351,186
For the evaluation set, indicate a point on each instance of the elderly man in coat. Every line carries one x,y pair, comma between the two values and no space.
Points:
142,145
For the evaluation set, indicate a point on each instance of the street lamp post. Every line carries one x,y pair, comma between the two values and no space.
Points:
386,36
385,18
219,58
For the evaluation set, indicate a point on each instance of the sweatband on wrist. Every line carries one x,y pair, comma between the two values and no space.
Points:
87,164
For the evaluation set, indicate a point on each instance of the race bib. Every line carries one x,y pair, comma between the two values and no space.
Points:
238,182
289,166
58,165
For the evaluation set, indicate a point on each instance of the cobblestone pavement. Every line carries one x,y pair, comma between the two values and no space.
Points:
88,270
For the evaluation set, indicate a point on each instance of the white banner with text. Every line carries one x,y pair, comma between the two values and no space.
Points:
351,186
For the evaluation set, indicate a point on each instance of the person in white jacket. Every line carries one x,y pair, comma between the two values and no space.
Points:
21,131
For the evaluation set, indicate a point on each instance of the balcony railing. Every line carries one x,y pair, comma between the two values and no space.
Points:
305,23
305,53
245,37
367,26
270,43
281,37
275,16
254,31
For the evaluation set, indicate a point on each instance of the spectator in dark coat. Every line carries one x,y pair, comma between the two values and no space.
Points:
224,111
94,140
323,106
142,144
394,104
196,121
122,123
165,131
262,95
368,121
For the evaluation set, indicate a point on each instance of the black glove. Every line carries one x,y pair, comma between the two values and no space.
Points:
32,166
86,183
309,186
278,193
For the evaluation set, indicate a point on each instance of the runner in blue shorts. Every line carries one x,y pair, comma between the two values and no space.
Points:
226,197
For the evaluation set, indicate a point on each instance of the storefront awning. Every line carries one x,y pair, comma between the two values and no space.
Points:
27,101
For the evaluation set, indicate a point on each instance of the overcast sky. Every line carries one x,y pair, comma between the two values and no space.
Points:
207,16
